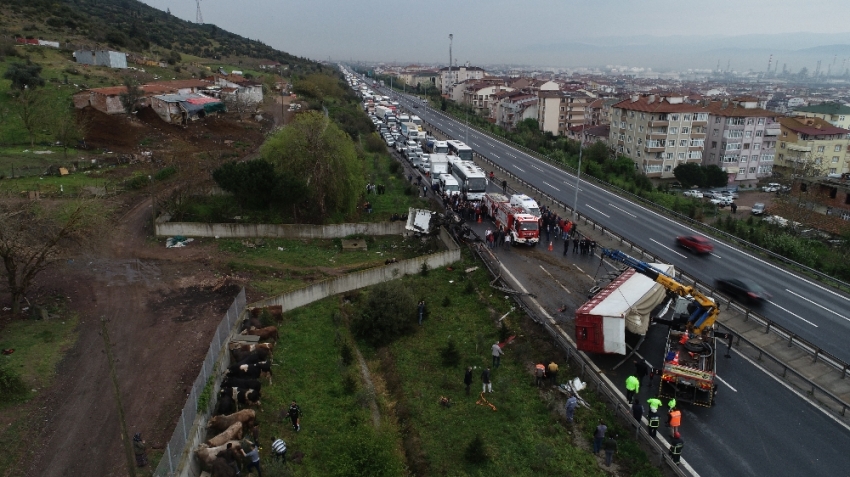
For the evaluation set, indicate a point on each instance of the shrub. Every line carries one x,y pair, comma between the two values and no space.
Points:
469,288
447,302
163,174
476,452
12,386
423,270
387,314
374,143
137,182
395,166
450,354
349,384
346,354
504,331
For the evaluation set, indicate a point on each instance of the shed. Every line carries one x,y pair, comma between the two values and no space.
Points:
112,59
180,108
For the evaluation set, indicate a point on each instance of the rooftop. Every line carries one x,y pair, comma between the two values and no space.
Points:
654,103
735,110
825,108
811,126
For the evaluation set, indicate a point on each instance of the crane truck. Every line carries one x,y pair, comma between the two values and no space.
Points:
690,356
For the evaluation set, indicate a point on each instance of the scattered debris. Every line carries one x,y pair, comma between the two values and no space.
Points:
177,241
470,270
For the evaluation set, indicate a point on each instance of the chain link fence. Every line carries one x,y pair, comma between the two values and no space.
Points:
187,435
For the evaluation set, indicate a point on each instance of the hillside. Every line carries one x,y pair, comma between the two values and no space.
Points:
132,26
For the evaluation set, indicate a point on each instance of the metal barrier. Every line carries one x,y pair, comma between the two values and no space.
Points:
185,432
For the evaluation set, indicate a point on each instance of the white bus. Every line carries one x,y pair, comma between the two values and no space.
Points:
460,150
472,180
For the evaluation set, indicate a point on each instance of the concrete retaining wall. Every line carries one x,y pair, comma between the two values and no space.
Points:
196,229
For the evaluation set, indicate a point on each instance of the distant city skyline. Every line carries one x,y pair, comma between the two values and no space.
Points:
660,34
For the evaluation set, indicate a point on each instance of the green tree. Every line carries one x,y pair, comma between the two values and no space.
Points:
715,177
131,96
256,184
389,313
689,174
24,76
32,109
598,152
319,153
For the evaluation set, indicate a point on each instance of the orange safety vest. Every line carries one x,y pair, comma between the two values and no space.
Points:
540,370
675,418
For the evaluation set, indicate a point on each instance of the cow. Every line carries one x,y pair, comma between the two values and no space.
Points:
267,333
251,397
221,423
245,383
225,403
253,358
252,371
249,323
220,468
241,351
233,432
275,310
208,454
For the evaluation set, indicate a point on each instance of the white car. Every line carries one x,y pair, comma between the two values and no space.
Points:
772,187
693,193
721,201
729,193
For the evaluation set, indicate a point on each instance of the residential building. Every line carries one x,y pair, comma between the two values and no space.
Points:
741,139
812,147
451,76
836,114
482,97
108,100
557,111
658,132
513,107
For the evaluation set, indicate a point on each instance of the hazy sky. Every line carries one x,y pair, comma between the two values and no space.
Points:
496,31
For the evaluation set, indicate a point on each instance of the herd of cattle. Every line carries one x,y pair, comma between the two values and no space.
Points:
240,388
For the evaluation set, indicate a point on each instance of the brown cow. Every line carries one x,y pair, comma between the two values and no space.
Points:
208,454
267,333
221,423
275,310
233,432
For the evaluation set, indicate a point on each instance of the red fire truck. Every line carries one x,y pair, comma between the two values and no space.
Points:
522,227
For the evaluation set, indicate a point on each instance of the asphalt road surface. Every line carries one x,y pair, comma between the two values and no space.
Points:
814,312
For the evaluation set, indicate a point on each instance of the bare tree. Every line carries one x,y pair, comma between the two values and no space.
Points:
239,103
34,235
133,94
31,107
68,125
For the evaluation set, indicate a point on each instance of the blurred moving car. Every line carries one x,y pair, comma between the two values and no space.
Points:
758,208
695,243
742,289
772,187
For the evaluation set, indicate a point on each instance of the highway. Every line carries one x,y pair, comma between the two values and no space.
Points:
812,311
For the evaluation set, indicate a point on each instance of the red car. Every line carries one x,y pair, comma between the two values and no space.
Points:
695,243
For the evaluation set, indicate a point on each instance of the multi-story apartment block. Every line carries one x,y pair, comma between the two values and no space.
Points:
658,132
812,147
514,107
557,111
836,114
741,139
450,76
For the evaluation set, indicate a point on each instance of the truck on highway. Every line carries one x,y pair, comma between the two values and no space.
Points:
522,227
526,203
434,146
690,353
382,112
439,164
410,131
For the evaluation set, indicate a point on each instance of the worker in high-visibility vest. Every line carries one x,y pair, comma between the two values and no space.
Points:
674,420
671,403
654,404
632,387
676,446
653,421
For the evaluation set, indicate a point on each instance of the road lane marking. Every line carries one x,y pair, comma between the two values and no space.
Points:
556,280
818,305
494,155
550,185
511,155
715,255
518,168
724,382
594,208
621,210
539,169
793,314
573,186
668,248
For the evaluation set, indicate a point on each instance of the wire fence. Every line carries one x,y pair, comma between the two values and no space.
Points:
186,434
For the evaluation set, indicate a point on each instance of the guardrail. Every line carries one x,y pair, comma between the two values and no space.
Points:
827,279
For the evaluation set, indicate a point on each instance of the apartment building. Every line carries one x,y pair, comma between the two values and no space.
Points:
658,132
482,96
557,111
812,147
514,107
741,139
450,76
836,114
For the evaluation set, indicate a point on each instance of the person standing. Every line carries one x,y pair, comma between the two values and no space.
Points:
676,446
653,421
254,457
295,416
671,403
485,381
504,186
421,310
467,379
641,369
566,246
674,420
654,404
575,245
140,450
497,355
610,447
632,388
599,436
553,373
572,404
637,410
279,449
539,374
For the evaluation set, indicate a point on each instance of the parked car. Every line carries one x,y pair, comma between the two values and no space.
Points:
729,193
693,193
695,243
742,289
390,142
758,208
721,201
772,187
710,194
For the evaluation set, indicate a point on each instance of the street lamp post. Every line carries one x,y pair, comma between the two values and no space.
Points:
578,177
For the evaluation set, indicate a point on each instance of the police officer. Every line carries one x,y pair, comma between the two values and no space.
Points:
632,387
676,446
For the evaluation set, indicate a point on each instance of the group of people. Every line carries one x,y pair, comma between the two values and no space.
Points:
466,209
674,415
499,238
486,382
377,189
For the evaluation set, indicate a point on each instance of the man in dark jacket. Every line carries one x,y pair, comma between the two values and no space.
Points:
467,379
676,446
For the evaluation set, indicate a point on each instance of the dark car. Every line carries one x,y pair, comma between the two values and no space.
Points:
695,243
742,289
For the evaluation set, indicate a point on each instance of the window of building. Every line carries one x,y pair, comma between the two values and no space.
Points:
620,148
841,118
711,157
837,148
695,155
767,169
735,121
730,159
628,139
639,141
744,158
759,133
697,142
834,159
713,144
781,156
669,156
736,146
631,114
667,168
563,109
832,192
782,145
749,121
784,133
631,126
700,116
686,117
686,130
761,121
638,153
748,134
622,125
746,145
640,128
756,146
734,134
683,142
628,150
715,132
674,130
752,170
650,168
821,148
717,120
674,117
681,156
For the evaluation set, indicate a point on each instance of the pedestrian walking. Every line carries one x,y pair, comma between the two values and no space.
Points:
599,436
637,411
641,369
653,421
632,388
140,450
279,449
497,354
566,246
572,404
671,403
501,236
421,310
575,245
674,420
654,404
592,247
467,379
504,186
676,446
734,207
610,447
508,239
295,416
487,386
254,459
553,373
539,374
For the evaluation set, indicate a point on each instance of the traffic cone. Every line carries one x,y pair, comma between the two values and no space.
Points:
550,246
479,218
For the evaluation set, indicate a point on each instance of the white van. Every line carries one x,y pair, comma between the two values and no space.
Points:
449,184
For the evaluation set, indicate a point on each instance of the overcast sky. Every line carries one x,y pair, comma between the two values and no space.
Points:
499,31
